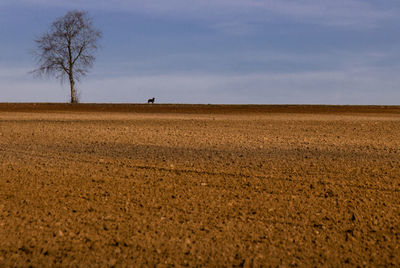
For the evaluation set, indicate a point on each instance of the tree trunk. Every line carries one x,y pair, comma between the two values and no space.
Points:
73,90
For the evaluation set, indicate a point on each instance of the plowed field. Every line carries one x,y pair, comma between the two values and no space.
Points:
199,185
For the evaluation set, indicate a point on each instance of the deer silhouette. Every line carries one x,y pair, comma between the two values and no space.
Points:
151,100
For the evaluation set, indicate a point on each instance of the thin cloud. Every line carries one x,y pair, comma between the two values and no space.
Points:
249,62
333,13
356,85
353,86
8,73
228,14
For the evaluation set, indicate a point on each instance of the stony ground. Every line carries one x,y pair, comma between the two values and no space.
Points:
182,185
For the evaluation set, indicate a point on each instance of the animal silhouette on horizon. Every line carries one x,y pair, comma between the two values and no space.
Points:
151,100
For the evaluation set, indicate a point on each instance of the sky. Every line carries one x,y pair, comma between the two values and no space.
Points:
215,51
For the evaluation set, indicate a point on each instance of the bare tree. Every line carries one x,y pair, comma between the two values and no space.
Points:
66,51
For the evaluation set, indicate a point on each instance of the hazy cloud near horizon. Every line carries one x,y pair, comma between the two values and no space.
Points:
202,51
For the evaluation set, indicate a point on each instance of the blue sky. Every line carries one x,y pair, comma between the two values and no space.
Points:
219,51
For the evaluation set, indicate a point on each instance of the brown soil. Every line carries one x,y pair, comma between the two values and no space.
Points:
106,185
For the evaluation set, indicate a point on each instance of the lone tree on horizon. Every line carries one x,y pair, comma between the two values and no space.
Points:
66,51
